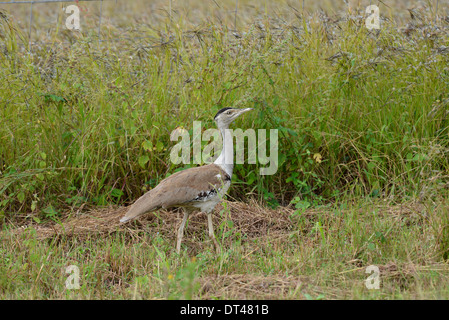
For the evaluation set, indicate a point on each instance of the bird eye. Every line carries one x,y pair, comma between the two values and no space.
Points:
229,112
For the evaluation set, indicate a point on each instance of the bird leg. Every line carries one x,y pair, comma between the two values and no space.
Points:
181,231
211,232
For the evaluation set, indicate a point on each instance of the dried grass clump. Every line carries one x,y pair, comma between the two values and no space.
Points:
246,221
243,286
250,219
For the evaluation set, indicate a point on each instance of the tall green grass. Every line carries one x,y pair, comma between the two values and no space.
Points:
359,112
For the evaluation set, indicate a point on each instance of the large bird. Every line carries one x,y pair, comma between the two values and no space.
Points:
195,189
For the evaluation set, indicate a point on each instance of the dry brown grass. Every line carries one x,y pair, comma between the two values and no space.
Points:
245,286
251,219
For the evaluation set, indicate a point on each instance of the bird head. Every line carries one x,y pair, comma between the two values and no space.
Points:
226,116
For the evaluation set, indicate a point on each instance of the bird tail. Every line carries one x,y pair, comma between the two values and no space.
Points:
141,206
126,218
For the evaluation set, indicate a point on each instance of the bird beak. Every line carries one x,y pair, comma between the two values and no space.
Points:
245,110
239,113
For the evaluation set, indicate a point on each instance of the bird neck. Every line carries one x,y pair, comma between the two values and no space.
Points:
226,158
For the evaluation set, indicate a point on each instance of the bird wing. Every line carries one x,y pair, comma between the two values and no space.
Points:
194,184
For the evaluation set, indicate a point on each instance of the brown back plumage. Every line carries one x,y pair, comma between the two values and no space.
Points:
179,189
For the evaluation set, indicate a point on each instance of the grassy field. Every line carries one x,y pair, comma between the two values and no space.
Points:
363,129
266,254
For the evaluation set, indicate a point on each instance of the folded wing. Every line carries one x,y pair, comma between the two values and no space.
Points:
180,189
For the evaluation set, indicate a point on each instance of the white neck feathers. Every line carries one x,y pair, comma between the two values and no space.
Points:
226,158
